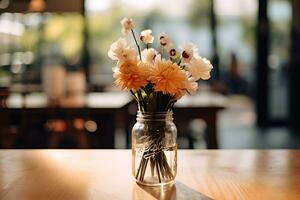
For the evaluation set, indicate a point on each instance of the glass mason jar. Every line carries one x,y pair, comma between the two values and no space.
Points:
154,149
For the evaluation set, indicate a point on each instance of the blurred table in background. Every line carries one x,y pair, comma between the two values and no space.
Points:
105,110
106,174
205,106
31,112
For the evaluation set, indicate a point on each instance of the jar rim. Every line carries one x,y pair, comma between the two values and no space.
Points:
155,113
155,116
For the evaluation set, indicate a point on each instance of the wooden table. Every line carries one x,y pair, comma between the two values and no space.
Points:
106,174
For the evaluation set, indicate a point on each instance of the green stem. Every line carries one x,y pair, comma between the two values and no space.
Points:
134,96
141,100
152,164
179,62
140,167
158,173
136,44
144,169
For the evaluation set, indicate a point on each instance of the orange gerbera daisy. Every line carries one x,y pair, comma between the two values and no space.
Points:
131,75
167,77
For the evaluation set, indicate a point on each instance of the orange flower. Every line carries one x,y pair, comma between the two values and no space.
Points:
145,70
131,75
167,77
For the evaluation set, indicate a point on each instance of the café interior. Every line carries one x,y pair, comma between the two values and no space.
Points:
57,89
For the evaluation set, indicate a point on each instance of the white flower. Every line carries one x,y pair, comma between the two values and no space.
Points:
199,68
121,51
127,25
173,53
164,40
146,36
148,55
171,50
191,86
188,51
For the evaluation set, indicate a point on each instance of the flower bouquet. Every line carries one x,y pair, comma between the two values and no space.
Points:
156,78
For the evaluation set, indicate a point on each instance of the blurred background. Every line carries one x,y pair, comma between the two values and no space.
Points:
56,86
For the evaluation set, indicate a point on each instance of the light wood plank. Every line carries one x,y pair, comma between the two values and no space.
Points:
106,174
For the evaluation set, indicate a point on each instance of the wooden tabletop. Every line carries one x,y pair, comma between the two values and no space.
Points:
106,174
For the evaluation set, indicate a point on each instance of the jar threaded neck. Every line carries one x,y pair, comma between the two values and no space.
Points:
154,116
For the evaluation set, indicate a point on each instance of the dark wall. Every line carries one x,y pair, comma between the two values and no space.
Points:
51,6
295,66
262,47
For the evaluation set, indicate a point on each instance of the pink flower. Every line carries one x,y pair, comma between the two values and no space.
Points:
148,55
127,25
121,51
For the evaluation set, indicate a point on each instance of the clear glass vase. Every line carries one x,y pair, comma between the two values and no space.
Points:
154,149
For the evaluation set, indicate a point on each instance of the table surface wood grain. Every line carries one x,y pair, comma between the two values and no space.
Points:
106,174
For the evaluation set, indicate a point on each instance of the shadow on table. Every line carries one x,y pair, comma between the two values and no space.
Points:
177,191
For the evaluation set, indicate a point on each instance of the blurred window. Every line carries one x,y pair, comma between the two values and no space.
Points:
280,16
26,40
236,36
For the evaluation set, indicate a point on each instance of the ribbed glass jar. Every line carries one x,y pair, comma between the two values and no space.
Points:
154,149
